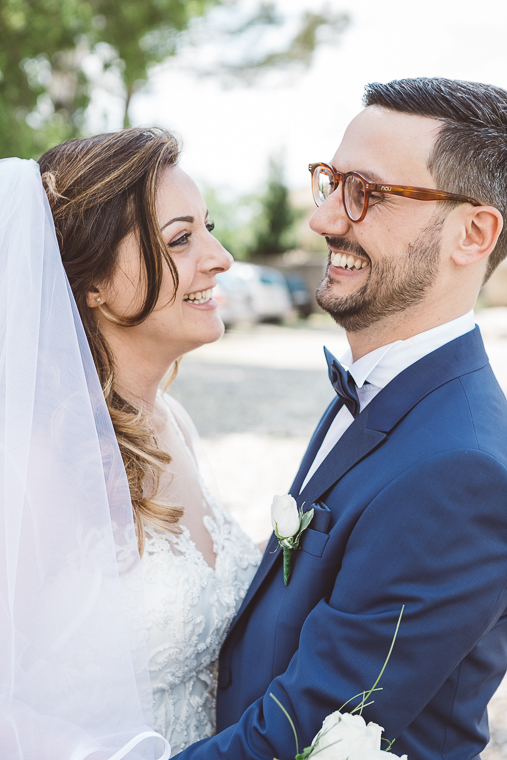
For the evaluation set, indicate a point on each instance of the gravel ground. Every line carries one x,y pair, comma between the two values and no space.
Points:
256,397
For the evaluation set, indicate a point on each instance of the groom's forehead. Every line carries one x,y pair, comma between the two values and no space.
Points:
388,146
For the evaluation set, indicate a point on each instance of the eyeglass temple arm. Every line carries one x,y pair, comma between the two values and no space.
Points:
421,194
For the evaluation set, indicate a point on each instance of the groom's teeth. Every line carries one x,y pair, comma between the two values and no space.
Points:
200,296
347,262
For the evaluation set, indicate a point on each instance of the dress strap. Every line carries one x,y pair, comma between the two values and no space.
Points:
214,505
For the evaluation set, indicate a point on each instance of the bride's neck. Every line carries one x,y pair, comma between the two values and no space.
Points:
138,374
141,391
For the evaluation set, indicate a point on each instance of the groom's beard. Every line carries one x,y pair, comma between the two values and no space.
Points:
391,286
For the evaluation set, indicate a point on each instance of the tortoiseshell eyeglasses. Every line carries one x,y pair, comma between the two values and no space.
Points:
357,191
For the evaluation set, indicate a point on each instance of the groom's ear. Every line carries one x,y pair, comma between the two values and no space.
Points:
481,226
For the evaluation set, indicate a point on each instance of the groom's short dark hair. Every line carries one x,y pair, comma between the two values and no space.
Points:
469,156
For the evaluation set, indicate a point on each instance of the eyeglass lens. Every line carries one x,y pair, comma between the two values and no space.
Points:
323,185
353,191
353,197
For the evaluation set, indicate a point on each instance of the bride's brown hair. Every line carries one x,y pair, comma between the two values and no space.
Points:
100,189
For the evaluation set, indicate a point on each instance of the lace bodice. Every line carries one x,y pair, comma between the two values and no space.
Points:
189,607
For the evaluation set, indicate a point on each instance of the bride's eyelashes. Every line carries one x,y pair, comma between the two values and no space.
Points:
184,239
179,241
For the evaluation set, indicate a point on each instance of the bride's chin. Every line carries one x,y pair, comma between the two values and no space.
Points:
208,334
217,333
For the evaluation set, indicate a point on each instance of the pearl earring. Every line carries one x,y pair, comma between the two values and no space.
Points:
99,299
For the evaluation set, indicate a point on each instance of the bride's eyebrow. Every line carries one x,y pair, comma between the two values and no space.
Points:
178,219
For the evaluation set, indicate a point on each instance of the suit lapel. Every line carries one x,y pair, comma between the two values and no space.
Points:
460,356
271,555
268,560
356,443
315,444
368,431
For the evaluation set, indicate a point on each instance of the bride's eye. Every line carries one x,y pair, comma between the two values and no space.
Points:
181,240
210,226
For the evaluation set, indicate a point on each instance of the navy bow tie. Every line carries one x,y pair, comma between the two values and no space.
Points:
343,383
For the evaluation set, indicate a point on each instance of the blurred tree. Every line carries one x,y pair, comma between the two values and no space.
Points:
251,226
233,217
45,46
264,40
274,225
54,52
25,71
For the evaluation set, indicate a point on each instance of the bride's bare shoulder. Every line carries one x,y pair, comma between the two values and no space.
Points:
183,419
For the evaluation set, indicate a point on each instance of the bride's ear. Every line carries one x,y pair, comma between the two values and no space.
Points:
94,298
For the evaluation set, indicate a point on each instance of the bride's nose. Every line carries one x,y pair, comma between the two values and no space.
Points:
214,257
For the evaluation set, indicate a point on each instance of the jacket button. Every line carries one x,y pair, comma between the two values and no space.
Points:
224,678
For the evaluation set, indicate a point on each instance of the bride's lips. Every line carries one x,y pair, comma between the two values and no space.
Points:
347,264
201,299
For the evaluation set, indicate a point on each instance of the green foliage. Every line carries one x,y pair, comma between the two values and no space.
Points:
274,225
31,36
46,47
144,33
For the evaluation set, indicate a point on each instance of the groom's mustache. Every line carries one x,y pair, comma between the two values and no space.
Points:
346,246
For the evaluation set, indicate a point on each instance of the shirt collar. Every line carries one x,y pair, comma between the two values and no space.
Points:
382,365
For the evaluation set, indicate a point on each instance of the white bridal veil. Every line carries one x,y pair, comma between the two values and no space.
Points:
74,681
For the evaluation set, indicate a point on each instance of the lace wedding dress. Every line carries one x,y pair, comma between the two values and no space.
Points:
190,606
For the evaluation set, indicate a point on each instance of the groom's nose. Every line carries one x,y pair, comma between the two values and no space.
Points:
330,219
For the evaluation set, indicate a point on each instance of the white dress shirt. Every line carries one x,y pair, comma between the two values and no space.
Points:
381,366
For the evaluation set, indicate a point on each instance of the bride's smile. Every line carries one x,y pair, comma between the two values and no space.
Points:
201,298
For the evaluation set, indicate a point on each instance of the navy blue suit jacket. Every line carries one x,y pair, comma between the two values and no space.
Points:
410,509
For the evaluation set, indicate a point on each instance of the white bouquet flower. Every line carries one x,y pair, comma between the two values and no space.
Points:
345,736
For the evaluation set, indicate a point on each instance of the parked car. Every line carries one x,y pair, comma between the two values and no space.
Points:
269,292
302,300
234,300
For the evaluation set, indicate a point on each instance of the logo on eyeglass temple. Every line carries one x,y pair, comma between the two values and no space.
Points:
385,187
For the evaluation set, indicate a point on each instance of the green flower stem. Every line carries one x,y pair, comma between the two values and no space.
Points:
288,561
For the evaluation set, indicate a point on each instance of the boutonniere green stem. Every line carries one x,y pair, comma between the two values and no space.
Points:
289,523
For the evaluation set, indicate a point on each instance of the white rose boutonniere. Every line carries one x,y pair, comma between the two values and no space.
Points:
288,524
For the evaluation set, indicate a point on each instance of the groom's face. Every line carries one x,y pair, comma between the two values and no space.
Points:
399,239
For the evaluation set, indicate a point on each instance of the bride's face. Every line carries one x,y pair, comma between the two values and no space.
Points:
190,319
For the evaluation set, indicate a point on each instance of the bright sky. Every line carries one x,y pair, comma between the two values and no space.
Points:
229,134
